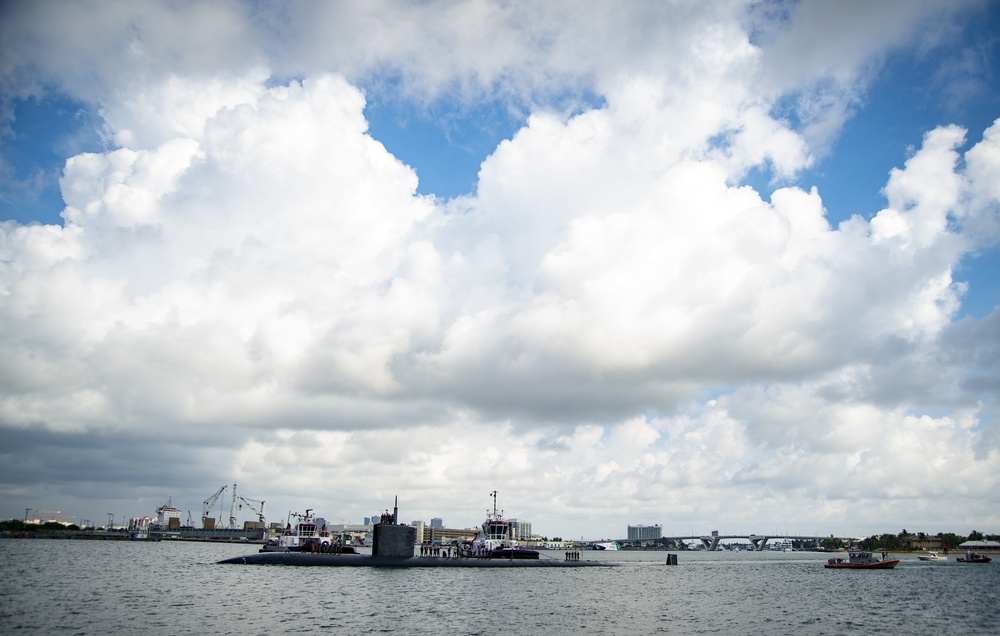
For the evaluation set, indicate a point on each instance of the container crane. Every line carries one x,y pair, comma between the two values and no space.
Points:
206,509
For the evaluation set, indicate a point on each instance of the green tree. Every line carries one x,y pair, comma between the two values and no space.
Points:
12,525
882,542
831,543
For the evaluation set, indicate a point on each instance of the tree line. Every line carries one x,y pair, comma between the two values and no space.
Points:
915,541
16,525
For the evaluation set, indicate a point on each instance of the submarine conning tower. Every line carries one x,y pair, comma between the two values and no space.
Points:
392,540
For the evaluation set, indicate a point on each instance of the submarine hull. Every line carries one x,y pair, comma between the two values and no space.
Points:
365,560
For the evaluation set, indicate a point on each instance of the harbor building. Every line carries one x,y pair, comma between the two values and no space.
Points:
448,535
980,546
640,532
437,522
140,524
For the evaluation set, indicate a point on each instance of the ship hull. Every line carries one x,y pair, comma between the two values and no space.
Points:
878,565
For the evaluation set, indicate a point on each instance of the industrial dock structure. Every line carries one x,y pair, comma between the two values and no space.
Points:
168,523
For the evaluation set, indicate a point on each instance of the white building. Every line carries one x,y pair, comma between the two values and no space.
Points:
980,546
640,532
140,524
521,528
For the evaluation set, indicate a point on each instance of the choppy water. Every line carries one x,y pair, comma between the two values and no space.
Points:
90,587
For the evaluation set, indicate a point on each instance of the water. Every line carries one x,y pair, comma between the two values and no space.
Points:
99,587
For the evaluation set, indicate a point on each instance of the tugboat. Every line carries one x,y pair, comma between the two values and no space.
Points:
972,557
305,537
858,559
496,541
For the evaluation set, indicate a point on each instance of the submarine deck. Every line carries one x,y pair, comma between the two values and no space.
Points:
366,560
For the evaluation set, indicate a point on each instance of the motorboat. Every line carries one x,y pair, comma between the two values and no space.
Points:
972,557
932,556
496,539
607,545
858,559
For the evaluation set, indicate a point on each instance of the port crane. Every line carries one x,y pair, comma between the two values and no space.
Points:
58,516
260,511
206,509
232,510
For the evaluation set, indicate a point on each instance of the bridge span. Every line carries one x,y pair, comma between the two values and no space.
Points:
711,542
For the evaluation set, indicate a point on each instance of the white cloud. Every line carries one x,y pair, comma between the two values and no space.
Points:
980,217
610,326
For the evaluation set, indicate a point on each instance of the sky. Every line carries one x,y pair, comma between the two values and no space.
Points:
715,266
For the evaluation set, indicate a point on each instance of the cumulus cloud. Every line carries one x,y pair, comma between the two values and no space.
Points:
612,325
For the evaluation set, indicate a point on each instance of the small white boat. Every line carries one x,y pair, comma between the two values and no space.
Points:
610,545
932,556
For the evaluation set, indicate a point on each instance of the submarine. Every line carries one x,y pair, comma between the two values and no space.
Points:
393,546
371,560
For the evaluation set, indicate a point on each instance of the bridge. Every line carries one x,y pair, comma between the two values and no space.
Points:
711,542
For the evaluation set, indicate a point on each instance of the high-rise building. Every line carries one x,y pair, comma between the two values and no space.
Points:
437,522
640,531
521,528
